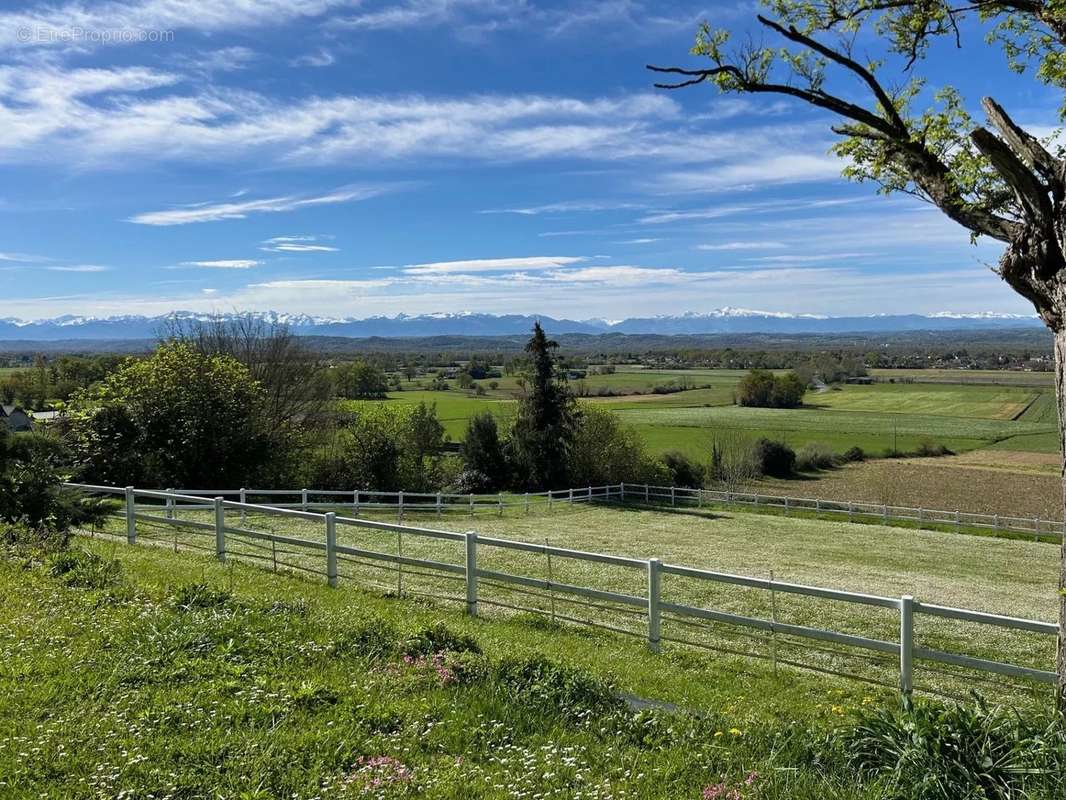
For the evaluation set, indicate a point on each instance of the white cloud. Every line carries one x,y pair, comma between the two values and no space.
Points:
491,265
742,246
564,207
320,58
755,170
80,268
645,240
239,210
297,244
229,263
43,24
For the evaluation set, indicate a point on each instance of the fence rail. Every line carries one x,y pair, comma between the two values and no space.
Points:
468,558
1034,526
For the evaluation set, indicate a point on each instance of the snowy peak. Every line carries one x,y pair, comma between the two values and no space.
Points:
467,323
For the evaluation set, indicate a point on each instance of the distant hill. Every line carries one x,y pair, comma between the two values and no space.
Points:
722,321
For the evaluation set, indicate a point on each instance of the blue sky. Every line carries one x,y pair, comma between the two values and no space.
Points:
353,157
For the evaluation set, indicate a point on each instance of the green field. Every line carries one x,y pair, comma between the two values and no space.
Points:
877,418
1014,578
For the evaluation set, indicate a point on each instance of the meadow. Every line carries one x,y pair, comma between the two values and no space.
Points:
1014,578
876,418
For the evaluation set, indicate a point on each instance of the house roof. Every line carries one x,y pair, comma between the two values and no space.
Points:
9,410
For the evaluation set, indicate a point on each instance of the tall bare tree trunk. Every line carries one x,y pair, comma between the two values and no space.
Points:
1060,397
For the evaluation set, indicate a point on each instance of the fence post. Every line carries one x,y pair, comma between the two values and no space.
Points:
303,499
331,548
654,616
131,516
551,500
672,496
699,498
590,495
646,493
220,529
996,521
851,511
756,499
471,573
817,506
921,518
622,491
571,497
170,505
499,504
355,507
438,505
1036,529
786,506
399,507
906,646
244,500
958,520
884,514
527,502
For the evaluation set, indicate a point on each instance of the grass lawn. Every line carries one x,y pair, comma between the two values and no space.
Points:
1007,577
189,679
983,402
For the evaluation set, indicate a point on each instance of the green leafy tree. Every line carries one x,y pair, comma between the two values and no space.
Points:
482,451
999,181
756,389
788,391
362,381
177,418
606,451
543,429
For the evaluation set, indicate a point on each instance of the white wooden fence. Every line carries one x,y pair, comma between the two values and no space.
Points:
160,508
850,511
674,496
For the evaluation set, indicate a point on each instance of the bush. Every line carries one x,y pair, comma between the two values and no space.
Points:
814,456
775,459
538,683
45,540
683,470
438,639
470,481
85,570
963,751
483,452
200,596
927,448
854,454
606,451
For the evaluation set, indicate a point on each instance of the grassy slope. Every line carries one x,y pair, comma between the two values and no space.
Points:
271,695
1008,577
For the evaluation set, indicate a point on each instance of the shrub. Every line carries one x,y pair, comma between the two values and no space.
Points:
438,639
85,570
483,452
959,751
199,596
927,448
683,470
775,459
538,683
606,451
21,537
470,481
815,456
375,638
853,454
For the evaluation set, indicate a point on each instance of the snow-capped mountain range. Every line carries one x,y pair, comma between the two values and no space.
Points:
723,320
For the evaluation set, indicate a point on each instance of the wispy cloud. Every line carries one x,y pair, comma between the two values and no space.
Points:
742,246
227,263
645,240
320,58
80,268
213,212
148,16
297,244
565,207
491,265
